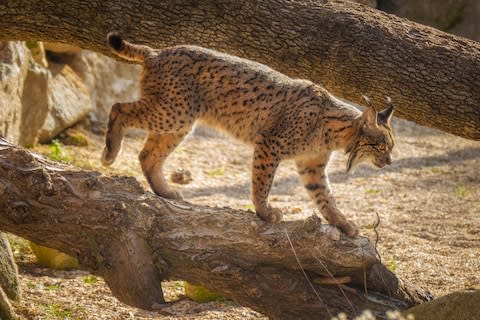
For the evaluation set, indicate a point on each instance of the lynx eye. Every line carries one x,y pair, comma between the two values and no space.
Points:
382,147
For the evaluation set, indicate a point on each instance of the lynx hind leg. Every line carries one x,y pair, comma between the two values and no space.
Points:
152,157
313,175
121,117
263,171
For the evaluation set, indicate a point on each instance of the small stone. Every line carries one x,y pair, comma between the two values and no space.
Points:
181,176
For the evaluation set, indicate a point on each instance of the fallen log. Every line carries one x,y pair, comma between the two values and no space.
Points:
135,239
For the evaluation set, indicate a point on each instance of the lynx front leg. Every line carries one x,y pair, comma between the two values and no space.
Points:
152,157
315,180
264,166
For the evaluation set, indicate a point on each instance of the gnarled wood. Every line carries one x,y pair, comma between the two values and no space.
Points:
135,239
432,77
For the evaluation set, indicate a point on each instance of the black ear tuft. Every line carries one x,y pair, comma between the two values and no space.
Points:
385,115
367,101
115,41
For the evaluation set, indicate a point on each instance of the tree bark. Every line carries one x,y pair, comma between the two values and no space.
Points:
9,286
432,77
8,270
135,239
6,309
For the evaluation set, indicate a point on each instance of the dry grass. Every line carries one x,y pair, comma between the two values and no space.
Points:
428,202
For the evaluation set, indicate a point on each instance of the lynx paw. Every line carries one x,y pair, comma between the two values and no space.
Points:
107,157
349,228
171,194
271,215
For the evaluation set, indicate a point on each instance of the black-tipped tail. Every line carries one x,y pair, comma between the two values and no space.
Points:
127,50
115,41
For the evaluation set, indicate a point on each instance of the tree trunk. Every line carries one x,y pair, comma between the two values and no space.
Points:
8,270
9,288
432,77
135,239
6,309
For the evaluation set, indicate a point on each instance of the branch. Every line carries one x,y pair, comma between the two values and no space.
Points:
431,76
118,231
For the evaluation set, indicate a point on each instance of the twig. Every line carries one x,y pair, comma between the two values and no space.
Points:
305,275
335,282
377,236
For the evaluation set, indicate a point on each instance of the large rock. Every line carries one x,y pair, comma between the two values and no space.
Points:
37,51
70,103
36,104
458,17
61,47
14,58
53,258
458,305
110,81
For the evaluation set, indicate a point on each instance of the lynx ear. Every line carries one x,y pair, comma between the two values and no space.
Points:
369,116
385,116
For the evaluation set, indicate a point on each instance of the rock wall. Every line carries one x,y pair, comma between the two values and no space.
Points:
110,81
36,102
43,92
68,102
14,57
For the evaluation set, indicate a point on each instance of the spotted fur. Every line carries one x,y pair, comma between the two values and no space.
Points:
282,118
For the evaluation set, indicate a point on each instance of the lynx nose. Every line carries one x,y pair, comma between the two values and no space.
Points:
389,160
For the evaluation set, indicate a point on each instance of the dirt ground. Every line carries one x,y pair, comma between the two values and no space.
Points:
428,202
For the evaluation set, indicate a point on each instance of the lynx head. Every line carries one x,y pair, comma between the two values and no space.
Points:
375,140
